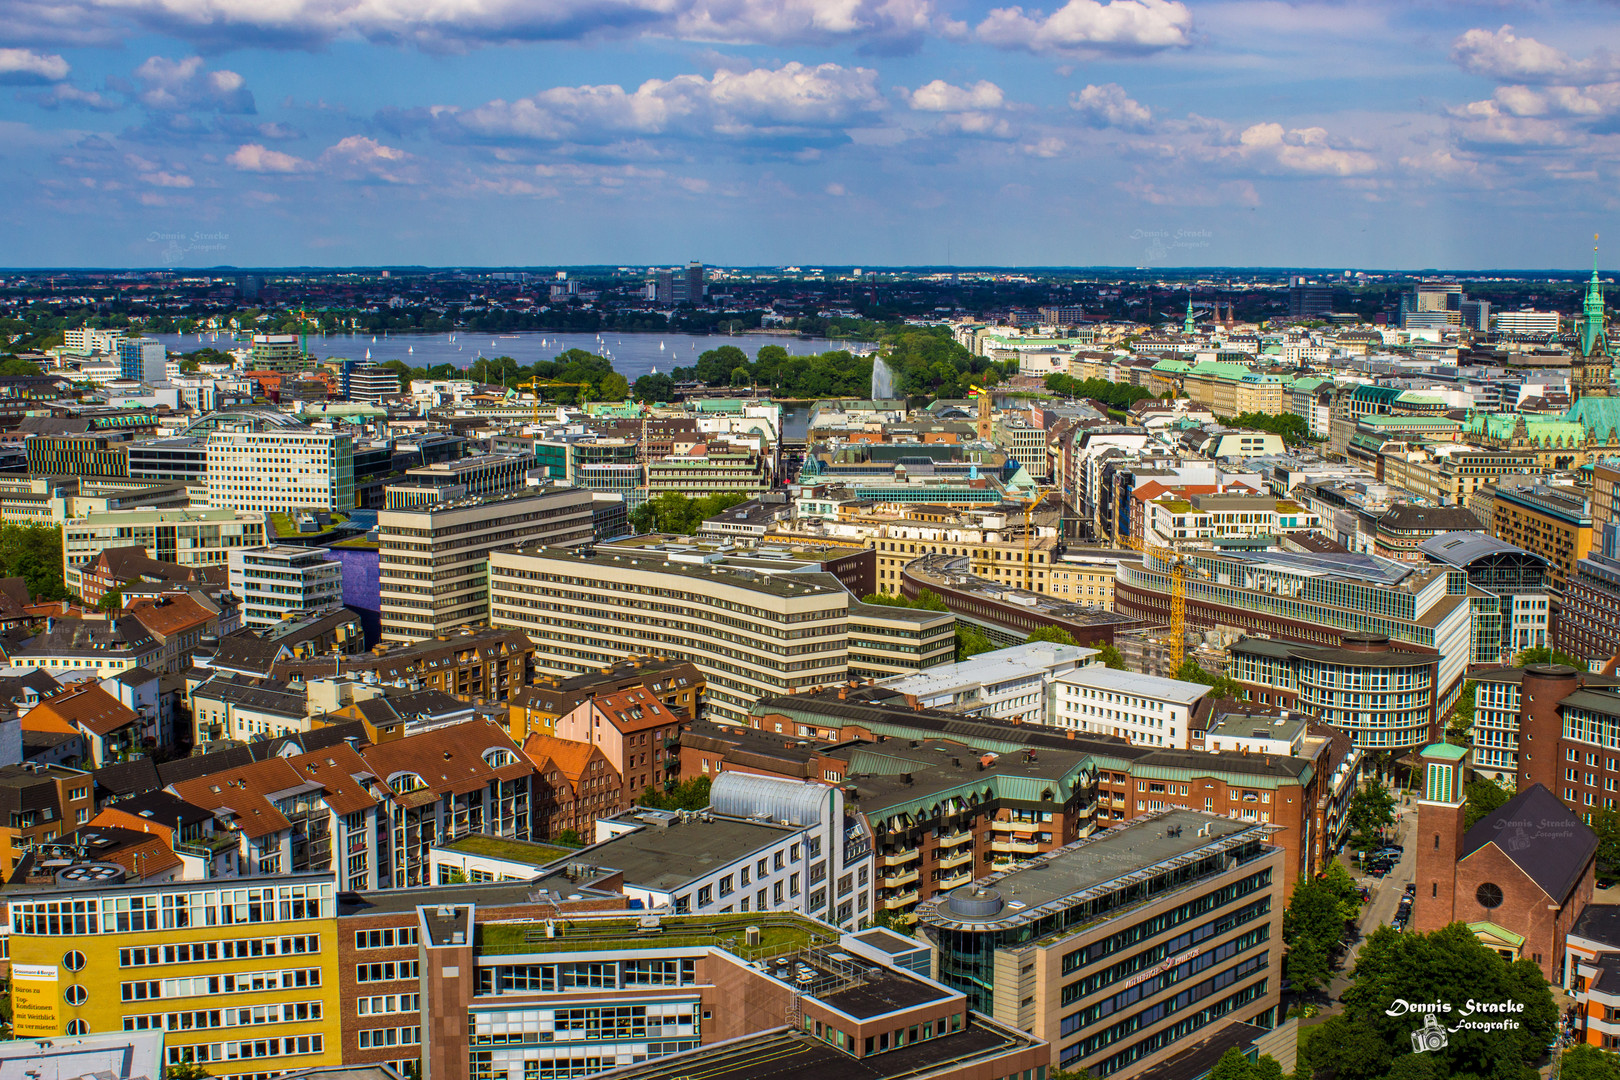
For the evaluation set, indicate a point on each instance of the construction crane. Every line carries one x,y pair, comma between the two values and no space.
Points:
1175,647
1029,504
535,385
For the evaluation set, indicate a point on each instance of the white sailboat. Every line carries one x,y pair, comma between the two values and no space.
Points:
410,348
374,339
660,346
368,354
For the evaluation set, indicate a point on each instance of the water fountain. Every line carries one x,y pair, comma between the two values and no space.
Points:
882,380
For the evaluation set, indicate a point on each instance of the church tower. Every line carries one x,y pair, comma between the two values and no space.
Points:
1187,326
1439,835
1592,372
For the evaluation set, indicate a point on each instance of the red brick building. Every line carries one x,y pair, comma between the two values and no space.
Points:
1519,878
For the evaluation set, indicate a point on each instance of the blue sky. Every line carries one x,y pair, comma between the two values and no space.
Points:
524,132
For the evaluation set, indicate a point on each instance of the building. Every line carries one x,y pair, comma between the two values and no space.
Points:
635,731
77,455
364,380
1526,322
1555,523
1014,683
1592,974
179,458
468,664
1382,697
752,636
1187,908
1145,709
479,476
186,537
85,340
276,352
575,785
1512,608
38,804
141,359
677,684
885,642
433,561
281,580
1518,878
279,470
103,646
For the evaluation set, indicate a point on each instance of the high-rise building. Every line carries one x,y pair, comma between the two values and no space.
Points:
141,359
1306,298
276,352
281,470
364,380
433,560
1526,322
77,455
282,580
1432,303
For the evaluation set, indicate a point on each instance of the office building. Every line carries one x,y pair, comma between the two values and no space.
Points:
752,635
141,359
85,341
1508,592
1008,684
1432,304
179,458
187,537
364,380
280,470
469,477
1307,298
1526,322
276,352
77,455
1186,908
1552,522
888,641
1145,709
433,561
281,580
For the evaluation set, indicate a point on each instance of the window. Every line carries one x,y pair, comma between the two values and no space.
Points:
1489,896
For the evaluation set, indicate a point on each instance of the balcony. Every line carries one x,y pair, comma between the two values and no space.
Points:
904,877
959,858
1015,845
947,884
899,857
904,899
955,838
1013,826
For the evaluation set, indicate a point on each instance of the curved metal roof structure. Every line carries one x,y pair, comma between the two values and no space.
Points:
746,795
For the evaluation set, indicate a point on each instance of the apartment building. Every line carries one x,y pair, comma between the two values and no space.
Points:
635,731
1007,684
1555,523
105,646
1144,709
282,580
38,804
1507,592
433,561
482,664
186,537
1024,441
280,470
1185,907
675,683
1215,516
751,635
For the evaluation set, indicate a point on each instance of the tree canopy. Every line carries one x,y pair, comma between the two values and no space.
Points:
1546,655
1221,686
1111,657
1372,810
1119,395
1293,428
1313,924
1449,967
690,794
34,553
1588,1062
672,512
1483,797
1055,634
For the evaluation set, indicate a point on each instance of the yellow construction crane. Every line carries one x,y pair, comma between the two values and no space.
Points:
535,385
1175,648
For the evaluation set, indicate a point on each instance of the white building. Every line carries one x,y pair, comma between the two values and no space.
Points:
141,359
280,470
282,580
1526,322
84,340
1008,683
1146,709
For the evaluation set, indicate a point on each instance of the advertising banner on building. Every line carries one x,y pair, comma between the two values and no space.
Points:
34,1000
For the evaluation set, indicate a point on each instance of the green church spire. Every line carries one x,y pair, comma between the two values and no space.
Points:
1187,323
1593,336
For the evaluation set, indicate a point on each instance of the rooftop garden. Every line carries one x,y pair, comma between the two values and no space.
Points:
778,934
494,847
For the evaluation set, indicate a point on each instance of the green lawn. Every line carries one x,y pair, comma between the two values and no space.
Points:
778,933
284,526
493,847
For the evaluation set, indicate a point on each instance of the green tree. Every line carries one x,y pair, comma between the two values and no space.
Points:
1450,966
690,794
1606,823
11,365
1294,429
1055,634
1221,686
1111,657
1317,914
111,600
613,387
568,838
971,643
1372,809
672,512
1055,1073
1588,1062
1545,655
185,1070
34,553
1483,797
655,387
1460,725
1234,1065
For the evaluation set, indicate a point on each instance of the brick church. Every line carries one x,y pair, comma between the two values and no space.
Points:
1519,878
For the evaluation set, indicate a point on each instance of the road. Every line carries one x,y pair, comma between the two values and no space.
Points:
1386,896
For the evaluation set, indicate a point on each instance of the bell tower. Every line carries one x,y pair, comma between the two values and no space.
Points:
1593,369
1439,835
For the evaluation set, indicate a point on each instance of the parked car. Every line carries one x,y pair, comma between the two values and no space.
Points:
1411,888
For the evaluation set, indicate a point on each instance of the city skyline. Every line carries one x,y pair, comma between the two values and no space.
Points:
1146,133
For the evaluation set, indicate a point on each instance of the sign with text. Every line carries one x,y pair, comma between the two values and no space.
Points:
34,1000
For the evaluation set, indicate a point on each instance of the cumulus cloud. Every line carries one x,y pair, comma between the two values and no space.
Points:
257,158
360,158
461,24
1501,54
1109,105
793,101
1086,27
166,85
1303,150
941,96
66,95
27,66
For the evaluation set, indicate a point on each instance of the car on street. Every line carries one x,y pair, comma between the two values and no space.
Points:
1411,888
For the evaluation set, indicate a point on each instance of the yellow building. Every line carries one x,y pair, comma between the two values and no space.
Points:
242,980
1553,522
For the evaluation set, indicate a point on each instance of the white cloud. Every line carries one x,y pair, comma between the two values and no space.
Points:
180,85
791,101
1086,27
1109,105
257,158
941,96
1501,54
1303,150
459,24
27,66
67,95
359,157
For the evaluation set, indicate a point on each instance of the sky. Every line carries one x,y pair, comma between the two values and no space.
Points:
1365,134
